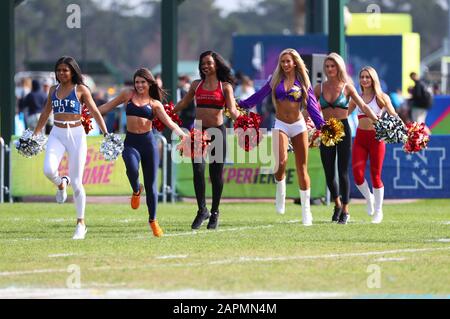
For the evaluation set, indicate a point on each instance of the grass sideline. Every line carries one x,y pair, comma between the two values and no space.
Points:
254,250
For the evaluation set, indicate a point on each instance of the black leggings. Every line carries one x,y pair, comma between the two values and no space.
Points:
215,170
328,155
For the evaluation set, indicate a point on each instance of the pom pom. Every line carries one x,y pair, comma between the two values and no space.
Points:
247,129
111,147
239,109
29,145
332,132
418,137
313,134
168,108
86,120
195,145
390,129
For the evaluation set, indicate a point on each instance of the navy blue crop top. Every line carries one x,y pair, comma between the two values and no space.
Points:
70,104
144,111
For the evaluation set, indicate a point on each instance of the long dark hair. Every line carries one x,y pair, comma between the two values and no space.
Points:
223,71
154,90
77,77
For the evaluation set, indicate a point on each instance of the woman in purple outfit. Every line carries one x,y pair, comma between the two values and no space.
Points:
291,91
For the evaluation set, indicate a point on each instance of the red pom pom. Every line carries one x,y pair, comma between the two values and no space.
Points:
168,108
86,119
195,146
247,129
418,137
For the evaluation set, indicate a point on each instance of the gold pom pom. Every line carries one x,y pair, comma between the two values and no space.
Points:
240,110
332,132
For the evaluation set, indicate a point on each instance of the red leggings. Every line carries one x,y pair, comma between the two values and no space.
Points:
367,147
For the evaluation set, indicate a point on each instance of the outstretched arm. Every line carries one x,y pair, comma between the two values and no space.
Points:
229,100
313,109
45,113
360,102
166,120
124,96
257,97
187,99
87,99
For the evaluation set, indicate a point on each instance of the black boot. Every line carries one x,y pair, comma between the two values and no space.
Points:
202,215
336,214
213,220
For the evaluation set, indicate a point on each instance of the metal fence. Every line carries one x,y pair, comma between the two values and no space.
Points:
167,187
3,189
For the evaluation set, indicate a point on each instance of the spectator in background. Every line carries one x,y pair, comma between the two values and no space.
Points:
21,91
34,104
245,90
187,115
421,100
159,80
46,84
436,89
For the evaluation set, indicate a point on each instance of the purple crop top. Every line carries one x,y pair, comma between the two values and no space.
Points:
294,95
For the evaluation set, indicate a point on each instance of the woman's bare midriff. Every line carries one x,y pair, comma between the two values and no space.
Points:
337,113
366,124
288,112
209,117
138,125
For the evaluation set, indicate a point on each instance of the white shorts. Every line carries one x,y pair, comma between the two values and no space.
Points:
291,130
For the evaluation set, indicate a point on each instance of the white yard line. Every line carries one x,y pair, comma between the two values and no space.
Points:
61,255
239,260
172,257
389,259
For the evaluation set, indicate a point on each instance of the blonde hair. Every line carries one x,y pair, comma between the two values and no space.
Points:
301,73
342,70
376,85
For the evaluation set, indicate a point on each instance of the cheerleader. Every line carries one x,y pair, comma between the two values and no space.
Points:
365,146
142,105
68,135
212,93
291,89
334,95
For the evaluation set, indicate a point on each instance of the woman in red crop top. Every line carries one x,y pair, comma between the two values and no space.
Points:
366,146
212,94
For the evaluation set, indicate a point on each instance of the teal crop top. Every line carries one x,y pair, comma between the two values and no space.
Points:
341,102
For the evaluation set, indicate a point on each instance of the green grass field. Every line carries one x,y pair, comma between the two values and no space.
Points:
255,252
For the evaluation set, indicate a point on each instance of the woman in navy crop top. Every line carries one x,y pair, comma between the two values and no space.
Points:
334,95
143,104
65,100
291,89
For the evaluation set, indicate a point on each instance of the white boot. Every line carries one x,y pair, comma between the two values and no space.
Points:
80,232
379,196
305,197
370,201
280,196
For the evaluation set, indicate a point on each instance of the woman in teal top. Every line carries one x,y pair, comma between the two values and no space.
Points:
334,95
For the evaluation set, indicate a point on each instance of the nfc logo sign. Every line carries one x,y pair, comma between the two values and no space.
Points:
423,168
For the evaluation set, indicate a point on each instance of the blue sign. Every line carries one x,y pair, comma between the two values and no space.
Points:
425,174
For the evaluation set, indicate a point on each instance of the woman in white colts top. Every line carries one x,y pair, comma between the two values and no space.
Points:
68,135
